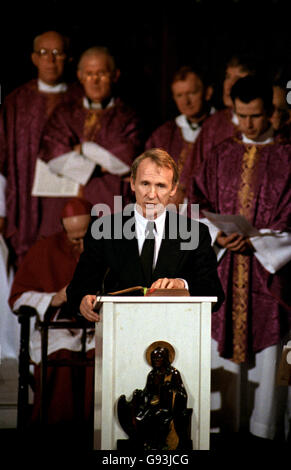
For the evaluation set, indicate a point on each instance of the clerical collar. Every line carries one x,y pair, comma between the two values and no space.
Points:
234,119
88,104
265,138
141,222
190,130
196,125
59,88
189,133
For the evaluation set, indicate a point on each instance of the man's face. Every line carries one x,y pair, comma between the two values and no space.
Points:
96,76
232,74
190,96
281,114
153,187
252,117
49,58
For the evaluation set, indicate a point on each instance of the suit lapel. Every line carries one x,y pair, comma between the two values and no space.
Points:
128,256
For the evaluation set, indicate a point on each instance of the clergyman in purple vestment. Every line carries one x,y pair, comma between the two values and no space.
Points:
192,93
98,125
40,283
23,116
224,122
249,175
281,117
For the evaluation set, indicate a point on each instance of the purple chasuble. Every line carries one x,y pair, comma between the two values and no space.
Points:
115,128
254,181
23,117
169,137
215,129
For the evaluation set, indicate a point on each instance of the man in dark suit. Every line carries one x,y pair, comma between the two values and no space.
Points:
153,248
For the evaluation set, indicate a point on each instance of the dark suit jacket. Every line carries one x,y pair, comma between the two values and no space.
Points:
117,260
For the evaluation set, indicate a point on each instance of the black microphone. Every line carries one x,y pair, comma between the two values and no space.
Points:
97,304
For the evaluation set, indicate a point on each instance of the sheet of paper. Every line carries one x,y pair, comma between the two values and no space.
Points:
232,224
104,158
48,184
74,166
3,250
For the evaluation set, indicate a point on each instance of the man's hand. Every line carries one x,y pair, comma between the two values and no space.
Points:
166,283
86,308
59,298
234,242
78,148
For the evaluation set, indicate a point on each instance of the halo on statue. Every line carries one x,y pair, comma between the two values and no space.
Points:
160,344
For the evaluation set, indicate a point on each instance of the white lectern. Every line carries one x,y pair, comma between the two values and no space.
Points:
128,326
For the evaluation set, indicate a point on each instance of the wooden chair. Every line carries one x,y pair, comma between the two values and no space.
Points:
25,315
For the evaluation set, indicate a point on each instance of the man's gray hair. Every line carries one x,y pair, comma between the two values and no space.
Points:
95,51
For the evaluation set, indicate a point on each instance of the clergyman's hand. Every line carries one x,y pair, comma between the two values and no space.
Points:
165,283
78,148
234,242
59,298
86,308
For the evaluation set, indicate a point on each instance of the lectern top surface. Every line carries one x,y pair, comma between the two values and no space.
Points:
153,299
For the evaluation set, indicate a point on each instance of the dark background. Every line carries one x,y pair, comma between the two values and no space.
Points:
149,39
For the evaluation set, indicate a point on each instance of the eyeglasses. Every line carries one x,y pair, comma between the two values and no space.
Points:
93,75
45,53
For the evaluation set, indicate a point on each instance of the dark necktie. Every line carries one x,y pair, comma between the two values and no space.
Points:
147,253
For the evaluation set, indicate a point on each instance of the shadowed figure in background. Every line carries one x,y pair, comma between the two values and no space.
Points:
97,132
224,123
249,174
192,92
40,283
24,114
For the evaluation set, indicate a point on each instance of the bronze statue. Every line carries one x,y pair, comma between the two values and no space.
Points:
157,417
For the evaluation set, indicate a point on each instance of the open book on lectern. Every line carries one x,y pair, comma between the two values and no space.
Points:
139,291
150,292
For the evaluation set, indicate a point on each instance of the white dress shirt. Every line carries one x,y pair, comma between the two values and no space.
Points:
140,228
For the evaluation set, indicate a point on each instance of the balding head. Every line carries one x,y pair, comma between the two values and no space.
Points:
49,54
51,35
76,227
97,73
97,51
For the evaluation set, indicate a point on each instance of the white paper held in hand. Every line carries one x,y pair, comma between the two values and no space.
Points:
74,166
48,184
228,224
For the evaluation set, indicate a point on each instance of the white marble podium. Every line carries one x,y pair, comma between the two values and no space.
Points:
128,326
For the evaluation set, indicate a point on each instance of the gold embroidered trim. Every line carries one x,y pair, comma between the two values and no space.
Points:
185,152
92,124
240,307
240,293
245,193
